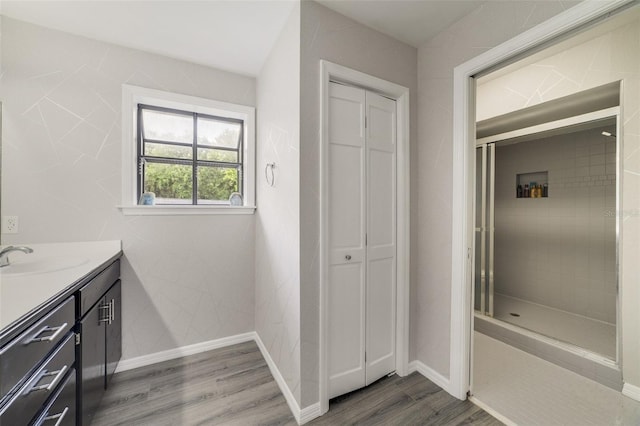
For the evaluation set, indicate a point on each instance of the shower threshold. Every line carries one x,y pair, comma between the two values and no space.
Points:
543,331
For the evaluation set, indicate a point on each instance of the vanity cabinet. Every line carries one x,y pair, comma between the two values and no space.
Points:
35,368
61,409
100,349
67,343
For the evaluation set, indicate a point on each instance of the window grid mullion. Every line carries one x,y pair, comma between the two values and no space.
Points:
140,163
195,159
240,169
163,142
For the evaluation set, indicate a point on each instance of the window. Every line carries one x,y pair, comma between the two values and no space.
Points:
188,158
192,153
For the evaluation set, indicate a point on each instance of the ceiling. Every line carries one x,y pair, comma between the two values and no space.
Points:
233,35
411,21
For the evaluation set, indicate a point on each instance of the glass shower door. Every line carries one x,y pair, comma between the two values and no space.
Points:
484,229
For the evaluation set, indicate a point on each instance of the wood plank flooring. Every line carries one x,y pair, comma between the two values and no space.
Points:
233,386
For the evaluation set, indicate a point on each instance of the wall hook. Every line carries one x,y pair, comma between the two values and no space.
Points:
270,177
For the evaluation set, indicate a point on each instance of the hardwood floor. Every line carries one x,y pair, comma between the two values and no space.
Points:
233,386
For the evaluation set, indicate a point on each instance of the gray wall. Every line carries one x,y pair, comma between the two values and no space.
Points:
186,279
491,24
559,251
328,35
277,275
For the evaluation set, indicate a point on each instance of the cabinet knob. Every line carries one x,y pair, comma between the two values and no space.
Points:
348,257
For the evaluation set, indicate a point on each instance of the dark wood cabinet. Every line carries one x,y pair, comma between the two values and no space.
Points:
61,408
91,371
56,360
114,330
100,349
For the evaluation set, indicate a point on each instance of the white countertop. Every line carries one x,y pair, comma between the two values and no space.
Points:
23,288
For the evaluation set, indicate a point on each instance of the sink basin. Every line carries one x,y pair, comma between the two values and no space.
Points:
26,266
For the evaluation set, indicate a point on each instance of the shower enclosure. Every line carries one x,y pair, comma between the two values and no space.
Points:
546,256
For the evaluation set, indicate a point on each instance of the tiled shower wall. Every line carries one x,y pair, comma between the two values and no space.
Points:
559,251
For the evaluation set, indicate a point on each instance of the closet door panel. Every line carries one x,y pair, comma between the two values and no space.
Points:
346,199
347,221
381,236
381,193
381,319
346,325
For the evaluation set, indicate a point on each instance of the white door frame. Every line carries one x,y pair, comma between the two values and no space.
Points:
463,170
330,71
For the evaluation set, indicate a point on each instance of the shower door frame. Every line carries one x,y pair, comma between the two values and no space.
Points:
461,319
488,145
487,227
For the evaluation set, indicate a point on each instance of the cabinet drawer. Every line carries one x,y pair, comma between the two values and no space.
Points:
25,352
61,409
97,287
27,402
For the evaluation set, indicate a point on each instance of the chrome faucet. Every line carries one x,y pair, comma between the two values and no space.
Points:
4,253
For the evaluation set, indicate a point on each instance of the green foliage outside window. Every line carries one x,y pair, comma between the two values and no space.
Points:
175,181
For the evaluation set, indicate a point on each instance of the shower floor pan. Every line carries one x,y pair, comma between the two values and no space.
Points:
593,335
580,344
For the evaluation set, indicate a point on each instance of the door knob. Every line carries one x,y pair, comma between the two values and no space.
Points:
348,257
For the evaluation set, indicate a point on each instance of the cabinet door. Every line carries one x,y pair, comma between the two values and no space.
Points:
92,368
114,329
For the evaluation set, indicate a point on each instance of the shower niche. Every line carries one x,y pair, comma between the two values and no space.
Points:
532,185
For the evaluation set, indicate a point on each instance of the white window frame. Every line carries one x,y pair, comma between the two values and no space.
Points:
134,95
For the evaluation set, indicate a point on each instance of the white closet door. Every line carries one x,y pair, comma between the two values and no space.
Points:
347,222
381,236
362,238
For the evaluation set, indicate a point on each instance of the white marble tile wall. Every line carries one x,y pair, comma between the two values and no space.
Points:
328,35
604,54
492,23
186,279
559,251
277,272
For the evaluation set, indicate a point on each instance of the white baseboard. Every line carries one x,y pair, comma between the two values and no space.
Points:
309,413
144,360
430,374
632,391
302,415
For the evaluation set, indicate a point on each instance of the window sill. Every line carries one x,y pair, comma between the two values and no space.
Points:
184,210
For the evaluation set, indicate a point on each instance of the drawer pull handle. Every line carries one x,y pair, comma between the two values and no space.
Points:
59,374
59,416
46,329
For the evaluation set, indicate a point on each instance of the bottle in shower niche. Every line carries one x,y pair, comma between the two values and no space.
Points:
519,191
545,190
525,193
